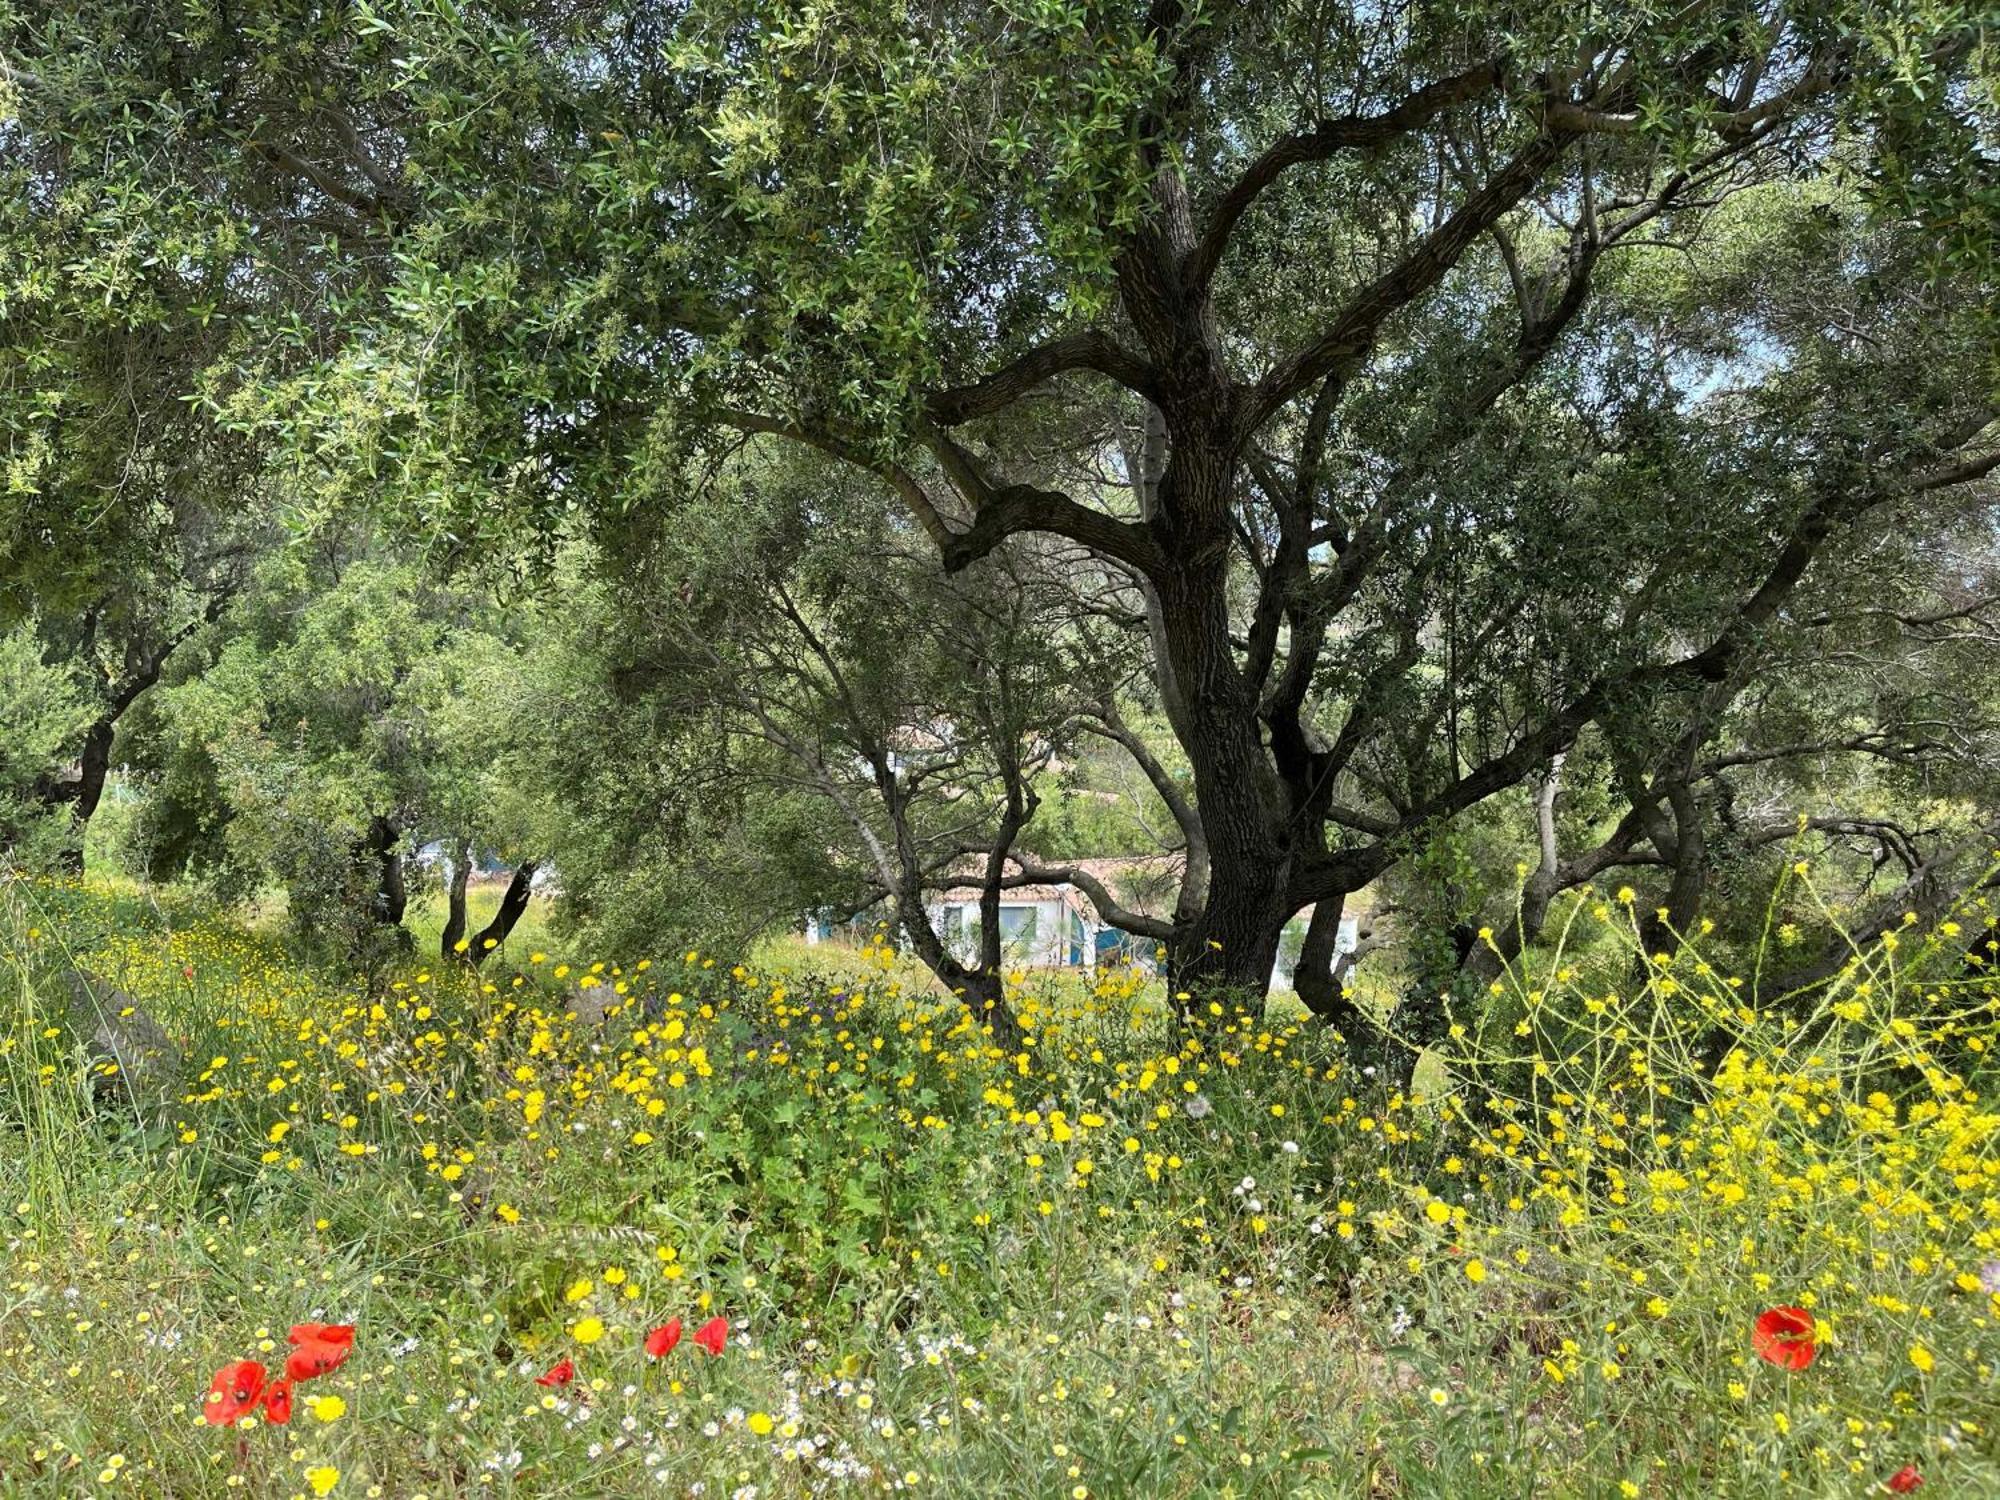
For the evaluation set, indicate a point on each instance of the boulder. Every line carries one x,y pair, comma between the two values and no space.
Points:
131,1055
591,1004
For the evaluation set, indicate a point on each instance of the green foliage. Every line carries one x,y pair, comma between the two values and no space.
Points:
511,280
332,700
45,710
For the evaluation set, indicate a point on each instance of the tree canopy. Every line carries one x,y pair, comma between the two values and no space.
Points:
1418,413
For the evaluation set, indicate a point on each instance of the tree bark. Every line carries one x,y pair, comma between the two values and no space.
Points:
1233,943
142,669
512,905
84,793
982,987
984,994
1663,934
1320,978
454,924
392,896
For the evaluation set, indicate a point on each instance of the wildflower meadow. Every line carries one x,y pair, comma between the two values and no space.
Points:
763,1229
1009,749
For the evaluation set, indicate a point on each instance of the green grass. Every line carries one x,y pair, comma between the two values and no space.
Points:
1131,1262
533,933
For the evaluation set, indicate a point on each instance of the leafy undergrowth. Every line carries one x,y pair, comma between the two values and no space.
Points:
1133,1259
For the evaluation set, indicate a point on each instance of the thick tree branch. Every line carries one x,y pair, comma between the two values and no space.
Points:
1108,908
1003,511
1351,132
1807,536
1876,742
1349,869
1347,339
1524,921
1091,350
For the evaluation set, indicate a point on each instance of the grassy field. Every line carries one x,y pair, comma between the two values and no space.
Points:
1134,1259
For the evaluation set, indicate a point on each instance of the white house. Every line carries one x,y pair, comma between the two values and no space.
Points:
1344,941
1057,927
1045,926
1041,926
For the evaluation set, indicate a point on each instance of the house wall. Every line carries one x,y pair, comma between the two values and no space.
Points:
1281,971
1055,942
1058,945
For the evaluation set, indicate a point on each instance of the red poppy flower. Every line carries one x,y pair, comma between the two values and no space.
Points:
314,1358
232,1393
1784,1337
278,1401
660,1342
1903,1480
562,1372
713,1334
322,1333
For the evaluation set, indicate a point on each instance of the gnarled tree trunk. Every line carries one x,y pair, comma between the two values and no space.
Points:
142,669
84,792
1321,976
512,905
1229,950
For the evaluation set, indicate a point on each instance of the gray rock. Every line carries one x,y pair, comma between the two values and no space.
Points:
589,1006
132,1057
